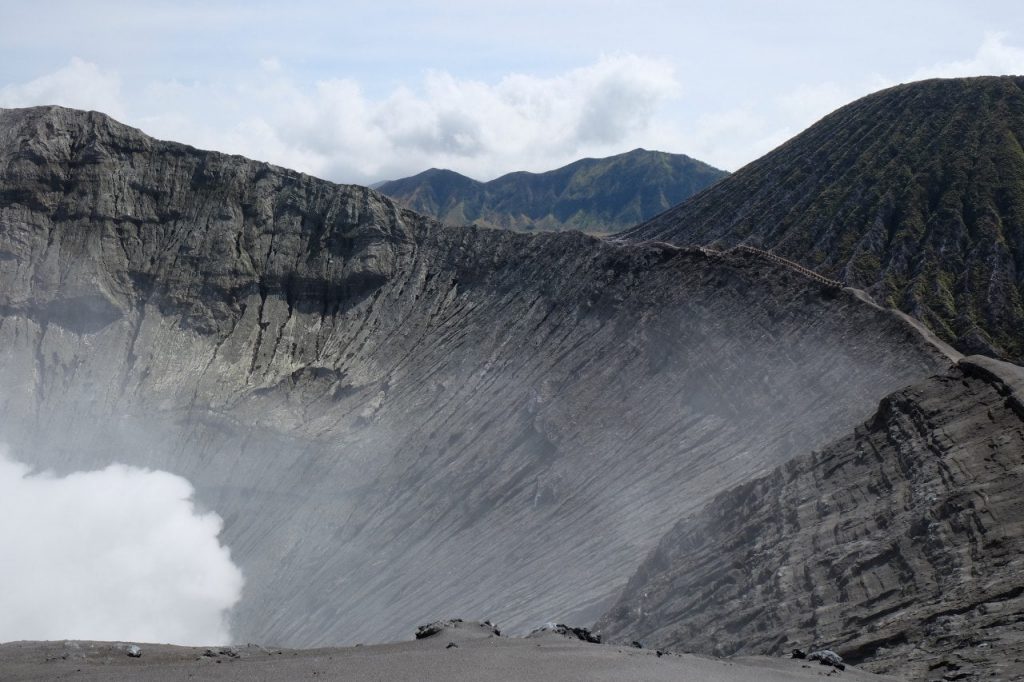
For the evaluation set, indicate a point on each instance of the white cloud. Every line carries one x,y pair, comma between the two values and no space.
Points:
727,138
116,554
809,103
80,84
337,129
735,137
478,128
332,128
993,58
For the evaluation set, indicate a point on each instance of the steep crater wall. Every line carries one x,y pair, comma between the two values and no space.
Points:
399,420
900,546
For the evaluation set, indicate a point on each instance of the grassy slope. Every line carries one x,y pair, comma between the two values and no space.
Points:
915,193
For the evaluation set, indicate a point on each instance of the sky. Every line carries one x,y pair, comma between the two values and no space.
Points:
367,91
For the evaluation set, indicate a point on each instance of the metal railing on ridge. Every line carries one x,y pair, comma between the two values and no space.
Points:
712,253
807,272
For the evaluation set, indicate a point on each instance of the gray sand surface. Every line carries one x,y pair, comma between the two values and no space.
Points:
476,657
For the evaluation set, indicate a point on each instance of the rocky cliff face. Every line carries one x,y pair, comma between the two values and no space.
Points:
915,193
597,195
398,419
901,546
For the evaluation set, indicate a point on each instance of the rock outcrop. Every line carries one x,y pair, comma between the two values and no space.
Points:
458,626
900,546
563,630
915,194
395,418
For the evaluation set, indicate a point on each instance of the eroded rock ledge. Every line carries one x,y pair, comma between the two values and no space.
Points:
900,546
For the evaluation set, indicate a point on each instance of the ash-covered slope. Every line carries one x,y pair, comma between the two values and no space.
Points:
398,419
599,195
900,546
915,193
457,654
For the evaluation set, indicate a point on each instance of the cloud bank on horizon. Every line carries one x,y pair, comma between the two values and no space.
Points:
116,554
349,128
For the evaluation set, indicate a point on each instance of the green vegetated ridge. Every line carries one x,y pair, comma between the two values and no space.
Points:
914,193
594,195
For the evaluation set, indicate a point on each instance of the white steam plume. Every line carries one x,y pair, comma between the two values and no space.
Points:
116,554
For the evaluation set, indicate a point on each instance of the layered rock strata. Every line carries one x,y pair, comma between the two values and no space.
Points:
900,546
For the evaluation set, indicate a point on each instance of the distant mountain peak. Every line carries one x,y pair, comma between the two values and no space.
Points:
598,195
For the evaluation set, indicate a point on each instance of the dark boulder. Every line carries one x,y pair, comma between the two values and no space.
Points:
431,629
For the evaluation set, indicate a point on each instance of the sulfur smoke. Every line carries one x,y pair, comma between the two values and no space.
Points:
116,554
